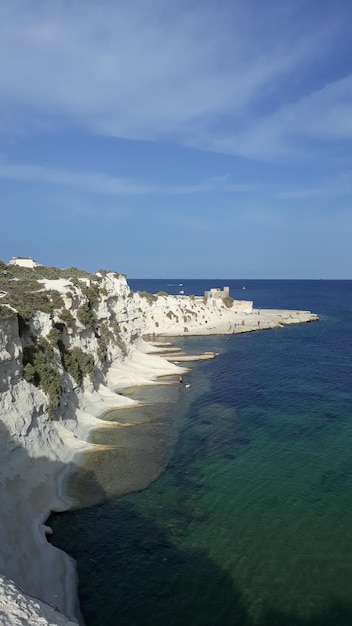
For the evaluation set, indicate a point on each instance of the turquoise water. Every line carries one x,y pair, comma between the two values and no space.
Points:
249,522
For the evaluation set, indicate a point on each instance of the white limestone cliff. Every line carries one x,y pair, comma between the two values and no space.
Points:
41,434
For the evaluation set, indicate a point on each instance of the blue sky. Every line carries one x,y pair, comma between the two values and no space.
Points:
184,139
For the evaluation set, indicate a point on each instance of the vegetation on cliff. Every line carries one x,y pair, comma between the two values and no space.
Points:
47,359
25,294
148,296
5,312
40,368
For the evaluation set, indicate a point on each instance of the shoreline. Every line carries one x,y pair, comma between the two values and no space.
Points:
135,372
130,435
48,453
91,419
39,456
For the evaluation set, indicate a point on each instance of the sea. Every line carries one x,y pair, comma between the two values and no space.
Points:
243,512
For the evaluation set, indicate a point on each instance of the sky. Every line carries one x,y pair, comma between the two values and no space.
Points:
188,139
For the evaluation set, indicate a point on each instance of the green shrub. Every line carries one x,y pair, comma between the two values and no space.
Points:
50,273
5,311
29,302
149,296
102,350
93,294
26,295
78,364
56,299
40,368
29,372
68,319
71,366
228,301
86,316
51,384
117,337
76,282
54,336
72,272
16,271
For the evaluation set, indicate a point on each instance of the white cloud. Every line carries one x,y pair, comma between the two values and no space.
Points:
220,80
325,114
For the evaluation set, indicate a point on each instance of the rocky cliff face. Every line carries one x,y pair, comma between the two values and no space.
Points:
52,375
91,323
10,350
62,359
55,379
50,362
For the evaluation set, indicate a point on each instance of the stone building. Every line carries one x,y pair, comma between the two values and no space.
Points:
219,294
24,261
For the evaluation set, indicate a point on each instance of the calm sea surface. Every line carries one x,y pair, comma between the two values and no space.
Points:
250,521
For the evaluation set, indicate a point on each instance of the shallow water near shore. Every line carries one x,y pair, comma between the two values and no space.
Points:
247,519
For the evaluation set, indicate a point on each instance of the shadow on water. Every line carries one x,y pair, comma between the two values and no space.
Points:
135,576
139,577
144,569
136,570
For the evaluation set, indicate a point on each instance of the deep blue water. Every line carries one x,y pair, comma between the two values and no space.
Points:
249,522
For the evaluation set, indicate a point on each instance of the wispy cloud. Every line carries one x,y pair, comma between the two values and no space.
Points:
230,80
324,115
100,183
339,186
69,206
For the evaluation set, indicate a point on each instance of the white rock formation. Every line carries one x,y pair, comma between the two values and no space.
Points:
104,319
18,609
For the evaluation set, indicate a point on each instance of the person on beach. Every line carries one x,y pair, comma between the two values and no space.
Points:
180,380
